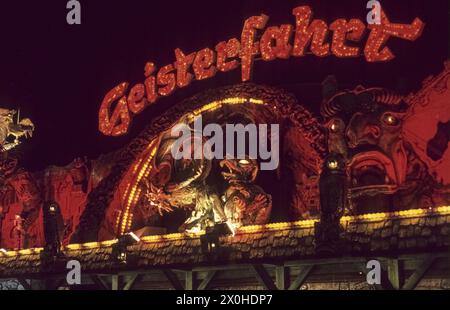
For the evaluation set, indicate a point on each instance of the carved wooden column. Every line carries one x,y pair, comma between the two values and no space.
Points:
333,192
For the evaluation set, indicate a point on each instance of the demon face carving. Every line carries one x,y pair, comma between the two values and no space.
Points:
366,126
370,138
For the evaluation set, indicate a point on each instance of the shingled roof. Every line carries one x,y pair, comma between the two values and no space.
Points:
403,232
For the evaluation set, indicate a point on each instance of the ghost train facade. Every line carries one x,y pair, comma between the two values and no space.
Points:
361,181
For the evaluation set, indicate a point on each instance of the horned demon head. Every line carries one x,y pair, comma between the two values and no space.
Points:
367,127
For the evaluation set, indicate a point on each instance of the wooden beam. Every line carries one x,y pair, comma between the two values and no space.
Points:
263,277
325,261
173,279
221,267
424,255
99,282
134,278
189,280
415,278
282,277
394,273
301,277
359,259
207,280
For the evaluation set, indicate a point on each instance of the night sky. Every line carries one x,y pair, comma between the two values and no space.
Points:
58,74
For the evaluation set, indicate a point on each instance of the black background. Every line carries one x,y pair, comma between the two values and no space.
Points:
297,299
58,74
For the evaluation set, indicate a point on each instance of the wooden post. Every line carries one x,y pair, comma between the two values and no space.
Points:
394,273
281,277
115,282
189,280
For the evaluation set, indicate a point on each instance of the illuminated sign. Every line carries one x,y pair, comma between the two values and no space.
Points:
308,36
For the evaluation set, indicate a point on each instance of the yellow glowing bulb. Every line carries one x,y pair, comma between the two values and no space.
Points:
332,164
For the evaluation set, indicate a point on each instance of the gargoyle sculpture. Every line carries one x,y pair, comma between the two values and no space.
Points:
8,128
245,203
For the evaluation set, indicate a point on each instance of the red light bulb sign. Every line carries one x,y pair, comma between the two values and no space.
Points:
340,38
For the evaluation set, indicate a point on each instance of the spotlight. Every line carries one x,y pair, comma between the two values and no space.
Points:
52,209
210,240
119,250
332,164
231,228
136,238
122,257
